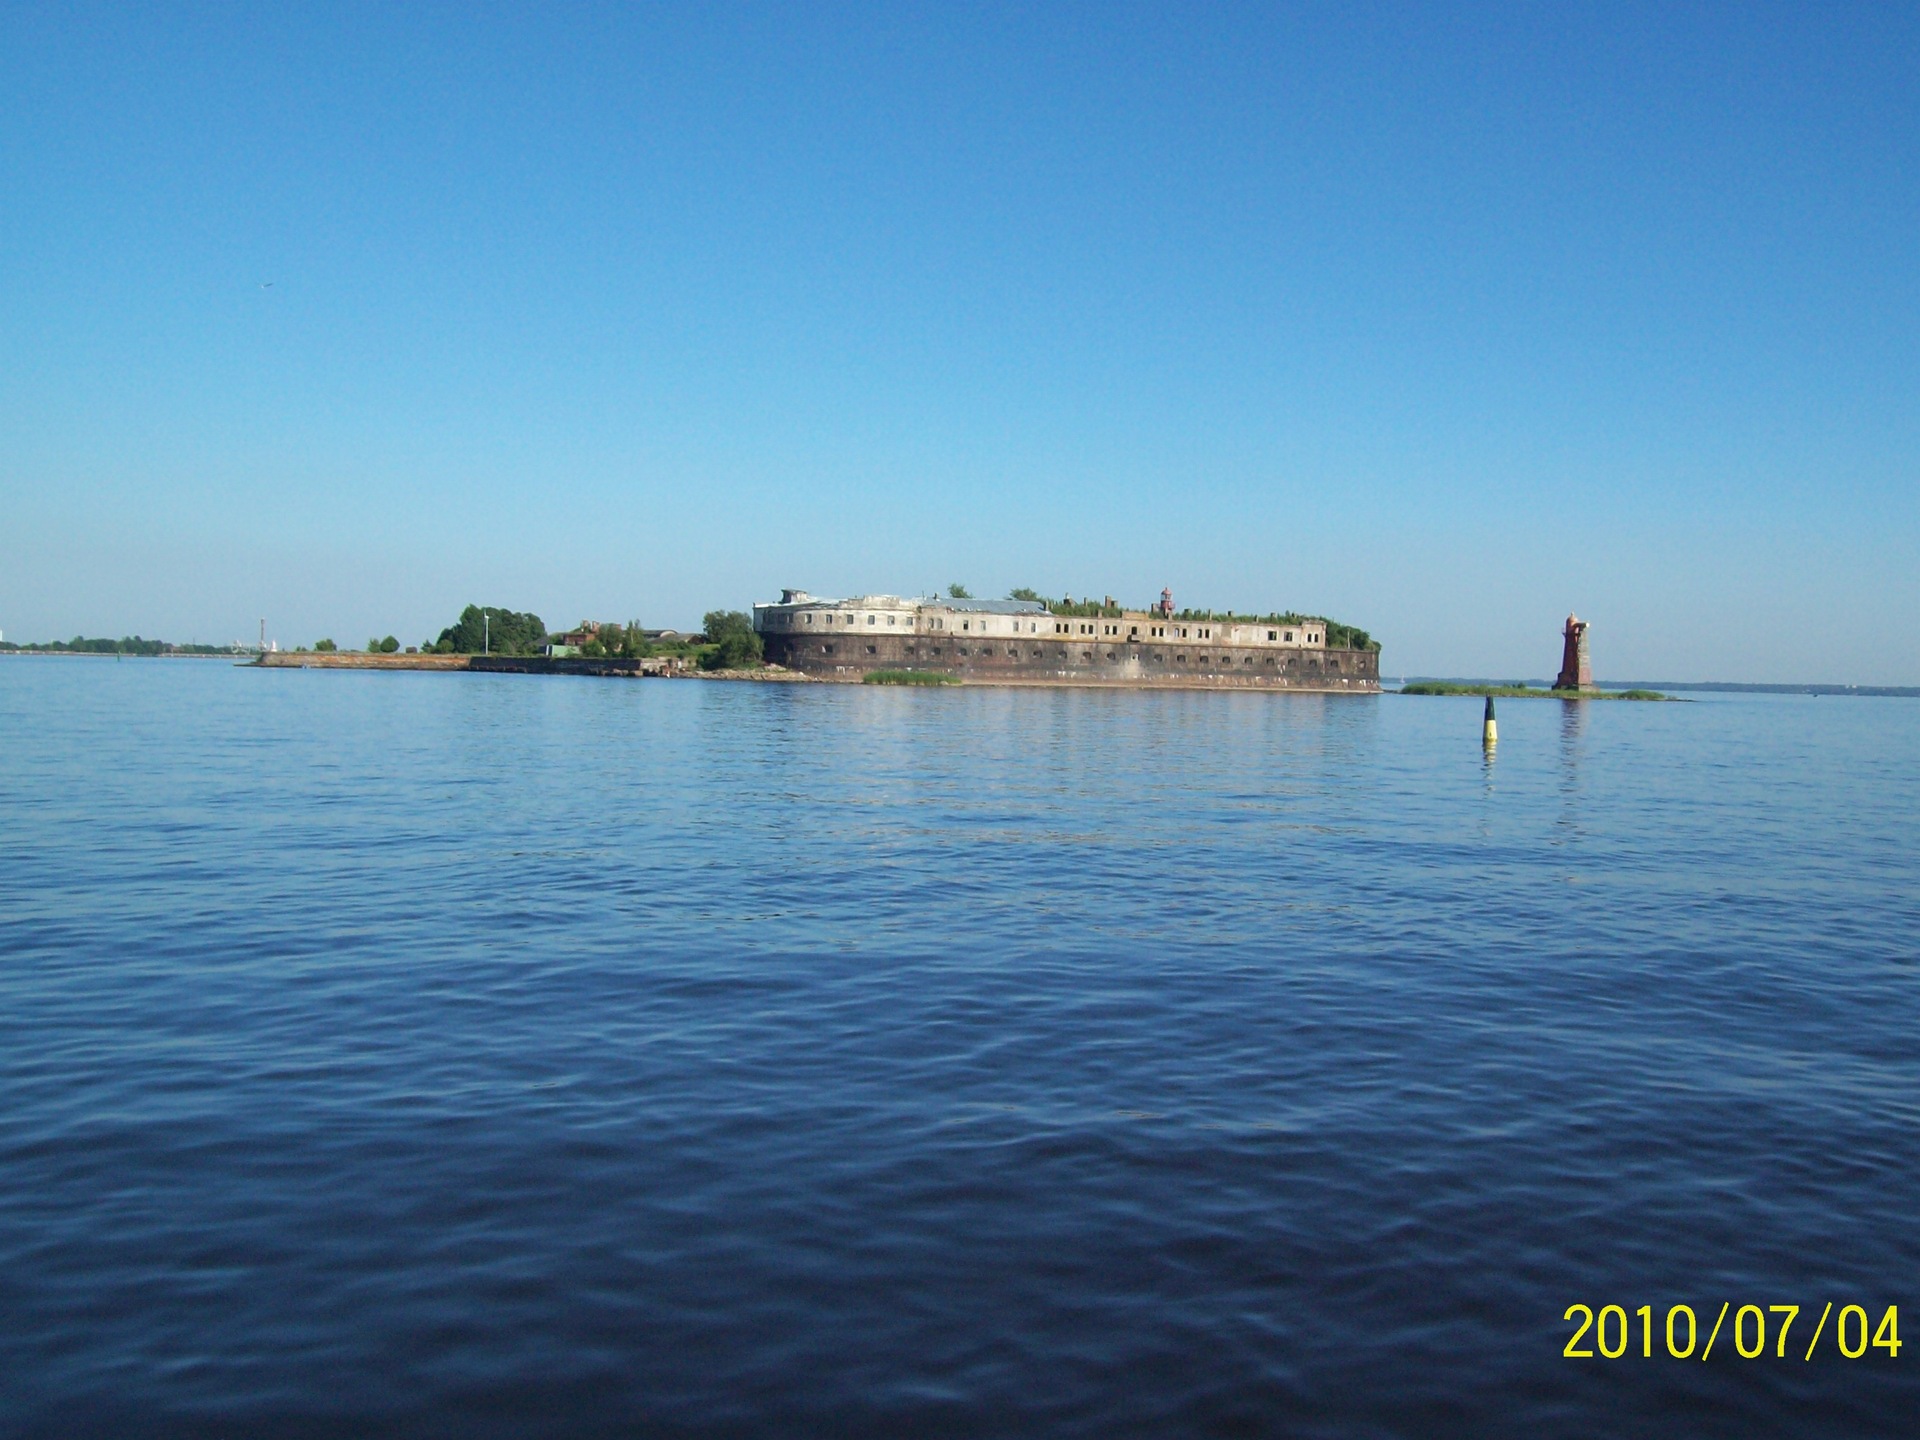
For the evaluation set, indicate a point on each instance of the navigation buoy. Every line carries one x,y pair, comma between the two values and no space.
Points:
1489,732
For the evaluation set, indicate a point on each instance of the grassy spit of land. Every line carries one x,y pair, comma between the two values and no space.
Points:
1525,692
357,660
126,645
909,677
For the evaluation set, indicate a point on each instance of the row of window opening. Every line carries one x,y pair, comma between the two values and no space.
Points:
1063,627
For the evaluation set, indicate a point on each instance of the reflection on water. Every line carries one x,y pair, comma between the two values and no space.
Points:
1573,726
488,1054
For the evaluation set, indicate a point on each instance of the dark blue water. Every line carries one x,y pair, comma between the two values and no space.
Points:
426,1054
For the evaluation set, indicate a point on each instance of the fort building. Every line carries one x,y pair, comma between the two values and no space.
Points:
1028,642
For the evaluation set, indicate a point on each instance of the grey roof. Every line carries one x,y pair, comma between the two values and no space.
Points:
990,607
802,601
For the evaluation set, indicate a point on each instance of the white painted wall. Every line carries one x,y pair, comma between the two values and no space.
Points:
890,615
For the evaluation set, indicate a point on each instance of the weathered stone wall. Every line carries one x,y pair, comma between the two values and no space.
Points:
492,664
570,665
1082,661
356,660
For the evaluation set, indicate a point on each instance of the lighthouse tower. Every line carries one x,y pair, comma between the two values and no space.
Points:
1576,669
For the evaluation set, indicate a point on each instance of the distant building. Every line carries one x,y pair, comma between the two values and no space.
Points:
577,638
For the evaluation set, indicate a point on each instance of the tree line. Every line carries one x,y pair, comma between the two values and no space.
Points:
125,645
485,629
727,640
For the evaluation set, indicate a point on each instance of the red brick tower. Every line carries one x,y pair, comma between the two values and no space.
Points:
1576,670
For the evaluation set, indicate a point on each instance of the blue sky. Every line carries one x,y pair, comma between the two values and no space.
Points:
1439,320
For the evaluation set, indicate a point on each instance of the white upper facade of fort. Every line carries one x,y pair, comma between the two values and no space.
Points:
798,613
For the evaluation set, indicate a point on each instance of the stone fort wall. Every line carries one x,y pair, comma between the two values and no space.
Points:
1084,660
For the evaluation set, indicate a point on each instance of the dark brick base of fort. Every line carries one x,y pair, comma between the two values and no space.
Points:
1039,661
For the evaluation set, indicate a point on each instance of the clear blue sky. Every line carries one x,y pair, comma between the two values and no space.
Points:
1440,320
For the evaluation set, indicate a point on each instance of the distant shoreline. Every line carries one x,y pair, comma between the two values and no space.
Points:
1727,687
21,652
1524,692
357,660
666,669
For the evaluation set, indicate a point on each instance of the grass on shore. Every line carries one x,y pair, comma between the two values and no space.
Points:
1526,692
909,677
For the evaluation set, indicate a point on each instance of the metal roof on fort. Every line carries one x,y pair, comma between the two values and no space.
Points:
989,607
802,600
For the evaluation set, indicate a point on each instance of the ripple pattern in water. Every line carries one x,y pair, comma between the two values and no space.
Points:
423,1054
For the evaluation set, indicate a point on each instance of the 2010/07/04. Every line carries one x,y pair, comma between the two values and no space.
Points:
1611,1329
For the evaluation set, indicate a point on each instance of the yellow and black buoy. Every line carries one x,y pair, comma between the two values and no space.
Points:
1489,732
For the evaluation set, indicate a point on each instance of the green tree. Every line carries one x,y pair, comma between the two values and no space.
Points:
325,647
1023,592
736,646
957,591
389,645
504,632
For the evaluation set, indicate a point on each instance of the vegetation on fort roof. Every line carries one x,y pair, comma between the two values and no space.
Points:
125,645
1519,691
736,645
957,591
1349,637
500,632
909,677
1065,607
1230,617
1339,636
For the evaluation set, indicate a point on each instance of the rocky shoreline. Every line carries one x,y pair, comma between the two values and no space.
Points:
670,667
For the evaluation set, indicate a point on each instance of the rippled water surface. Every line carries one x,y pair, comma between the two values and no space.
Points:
433,1054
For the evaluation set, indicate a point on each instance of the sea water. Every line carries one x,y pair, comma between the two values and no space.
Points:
485,1055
